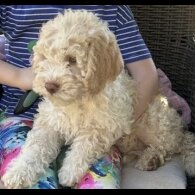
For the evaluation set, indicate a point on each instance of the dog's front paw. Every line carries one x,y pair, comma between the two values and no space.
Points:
12,181
70,175
14,178
17,176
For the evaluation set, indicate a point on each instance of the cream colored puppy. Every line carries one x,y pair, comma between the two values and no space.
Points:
89,103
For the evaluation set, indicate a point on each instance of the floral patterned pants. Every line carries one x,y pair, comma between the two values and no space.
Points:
104,174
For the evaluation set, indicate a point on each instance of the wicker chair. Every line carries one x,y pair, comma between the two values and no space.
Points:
168,31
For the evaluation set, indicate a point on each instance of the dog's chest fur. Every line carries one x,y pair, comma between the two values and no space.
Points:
110,111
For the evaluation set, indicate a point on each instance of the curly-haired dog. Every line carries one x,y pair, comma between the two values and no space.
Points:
89,103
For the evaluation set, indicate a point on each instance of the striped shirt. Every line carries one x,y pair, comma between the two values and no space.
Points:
21,24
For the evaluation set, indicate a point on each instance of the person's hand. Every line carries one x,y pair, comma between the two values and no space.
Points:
25,76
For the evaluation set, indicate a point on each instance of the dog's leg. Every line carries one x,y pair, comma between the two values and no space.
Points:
84,151
40,149
131,147
161,130
151,159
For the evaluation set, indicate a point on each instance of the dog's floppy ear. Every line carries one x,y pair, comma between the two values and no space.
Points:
104,60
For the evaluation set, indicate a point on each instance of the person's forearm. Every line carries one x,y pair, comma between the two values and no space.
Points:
146,77
13,76
9,74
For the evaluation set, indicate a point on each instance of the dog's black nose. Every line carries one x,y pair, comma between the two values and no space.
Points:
52,87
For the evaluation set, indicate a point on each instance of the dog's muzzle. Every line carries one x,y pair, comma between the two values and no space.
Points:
52,87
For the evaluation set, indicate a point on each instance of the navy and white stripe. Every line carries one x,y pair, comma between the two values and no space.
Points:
21,24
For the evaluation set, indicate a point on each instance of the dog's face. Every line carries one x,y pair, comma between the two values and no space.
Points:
76,55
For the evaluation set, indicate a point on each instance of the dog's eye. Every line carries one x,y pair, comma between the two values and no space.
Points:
72,60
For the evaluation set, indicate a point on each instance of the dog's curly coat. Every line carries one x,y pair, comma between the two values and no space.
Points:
89,103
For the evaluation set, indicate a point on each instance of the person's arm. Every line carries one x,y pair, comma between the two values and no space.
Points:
15,77
137,58
145,75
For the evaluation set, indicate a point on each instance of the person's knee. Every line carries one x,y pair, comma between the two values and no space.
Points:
170,176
